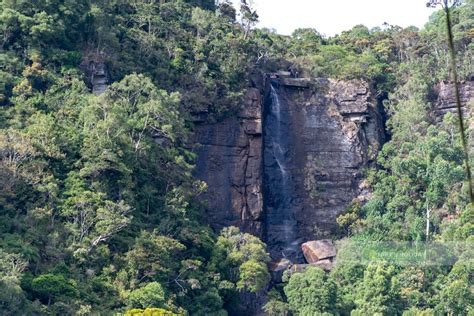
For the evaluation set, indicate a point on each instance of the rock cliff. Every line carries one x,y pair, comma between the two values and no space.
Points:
230,162
291,160
331,130
446,101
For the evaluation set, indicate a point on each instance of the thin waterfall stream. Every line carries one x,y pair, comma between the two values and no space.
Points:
281,226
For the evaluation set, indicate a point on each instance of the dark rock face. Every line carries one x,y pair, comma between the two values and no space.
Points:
280,187
446,102
289,182
99,79
96,73
319,135
230,162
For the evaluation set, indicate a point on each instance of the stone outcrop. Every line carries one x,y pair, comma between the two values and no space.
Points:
446,102
326,265
230,162
278,267
96,72
317,250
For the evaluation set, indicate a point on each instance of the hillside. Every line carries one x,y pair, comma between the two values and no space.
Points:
170,158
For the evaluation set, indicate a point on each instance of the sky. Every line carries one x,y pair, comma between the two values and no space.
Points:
330,17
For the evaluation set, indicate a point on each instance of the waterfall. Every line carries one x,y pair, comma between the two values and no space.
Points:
278,151
281,225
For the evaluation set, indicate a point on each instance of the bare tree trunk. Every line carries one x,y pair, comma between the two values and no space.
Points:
427,222
458,99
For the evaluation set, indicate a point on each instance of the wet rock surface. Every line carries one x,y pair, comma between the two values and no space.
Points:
330,131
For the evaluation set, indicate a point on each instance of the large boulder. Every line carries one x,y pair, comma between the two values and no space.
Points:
326,265
317,250
278,267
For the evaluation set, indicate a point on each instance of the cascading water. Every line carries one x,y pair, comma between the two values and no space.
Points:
281,226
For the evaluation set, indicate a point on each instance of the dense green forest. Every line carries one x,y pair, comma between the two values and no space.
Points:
98,218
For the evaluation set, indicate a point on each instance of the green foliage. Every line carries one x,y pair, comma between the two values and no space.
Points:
246,258
150,312
103,184
12,296
152,294
98,205
420,166
347,277
50,288
456,294
153,257
276,305
350,221
311,293
253,276
377,294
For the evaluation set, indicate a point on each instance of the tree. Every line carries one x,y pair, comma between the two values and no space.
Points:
51,288
456,296
226,9
447,5
153,258
276,305
378,292
249,16
150,295
12,297
150,312
93,219
253,276
311,292
305,41
347,276
242,258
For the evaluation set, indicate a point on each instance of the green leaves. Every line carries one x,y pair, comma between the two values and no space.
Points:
150,295
51,287
153,258
456,295
92,219
253,276
311,292
243,259
377,294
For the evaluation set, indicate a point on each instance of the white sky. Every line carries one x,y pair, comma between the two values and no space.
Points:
330,17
